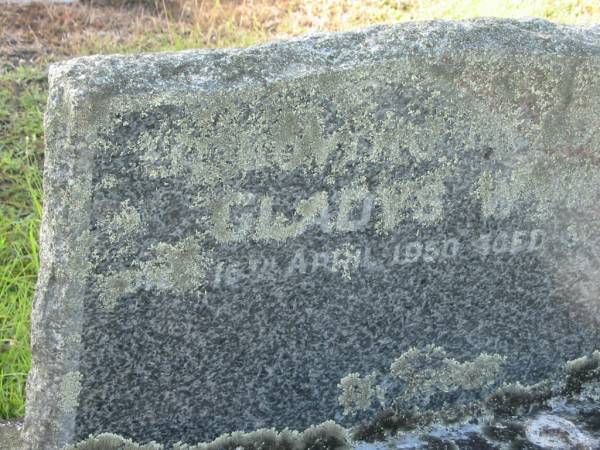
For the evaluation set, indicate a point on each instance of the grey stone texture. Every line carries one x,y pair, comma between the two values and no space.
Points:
560,415
227,233
10,434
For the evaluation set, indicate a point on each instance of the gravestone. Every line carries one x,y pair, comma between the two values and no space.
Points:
227,233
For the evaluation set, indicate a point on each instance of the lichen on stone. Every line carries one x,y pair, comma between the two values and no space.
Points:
109,441
585,369
514,398
123,225
326,436
357,392
412,396
108,182
178,267
114,285
424,372
70,387
346,260
543,183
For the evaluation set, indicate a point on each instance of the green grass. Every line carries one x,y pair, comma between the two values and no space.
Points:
220,24
22,99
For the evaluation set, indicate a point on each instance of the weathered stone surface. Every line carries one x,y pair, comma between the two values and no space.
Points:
10,434
228,233
566,416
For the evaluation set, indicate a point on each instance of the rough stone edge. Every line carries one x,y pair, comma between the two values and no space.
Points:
282,60
54,381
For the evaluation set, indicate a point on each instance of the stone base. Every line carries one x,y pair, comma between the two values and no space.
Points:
10,434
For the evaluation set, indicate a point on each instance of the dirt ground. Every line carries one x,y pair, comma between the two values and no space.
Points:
39,33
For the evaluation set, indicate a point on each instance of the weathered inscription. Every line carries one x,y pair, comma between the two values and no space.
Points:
349,258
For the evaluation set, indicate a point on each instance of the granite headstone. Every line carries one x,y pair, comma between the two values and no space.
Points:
227,233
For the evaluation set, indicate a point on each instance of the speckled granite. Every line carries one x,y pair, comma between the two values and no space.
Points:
228,233
563,415
10,434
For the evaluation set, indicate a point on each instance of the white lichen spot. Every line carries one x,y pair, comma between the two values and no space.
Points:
70,387
108,182
124,224
76,260
419,369
357,392
179,267
346,260
115,285
112,441
151,148
476,374
429,370
73,339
